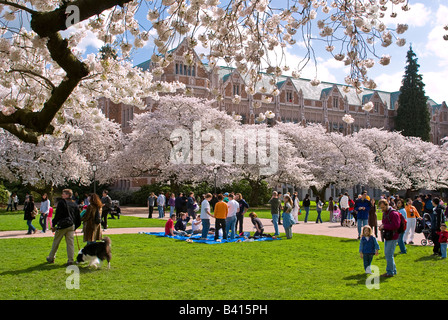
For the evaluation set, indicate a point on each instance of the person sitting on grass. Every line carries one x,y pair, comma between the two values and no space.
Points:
181,225
257,224
169,226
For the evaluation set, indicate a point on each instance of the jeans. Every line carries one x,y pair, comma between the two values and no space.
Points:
43,221
443,249
361,224
343,215
205,228
367,259
171,210
389,249
231,225
307,210
318,216
31,228
288,232
401,243
161,212
275,223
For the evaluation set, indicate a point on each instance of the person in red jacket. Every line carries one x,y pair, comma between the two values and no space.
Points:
391,223
443,239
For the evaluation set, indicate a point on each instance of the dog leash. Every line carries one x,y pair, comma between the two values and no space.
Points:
77,241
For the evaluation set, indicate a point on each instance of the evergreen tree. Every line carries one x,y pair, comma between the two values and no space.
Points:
413,118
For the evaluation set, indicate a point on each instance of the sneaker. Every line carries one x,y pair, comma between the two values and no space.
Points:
386,275
50,260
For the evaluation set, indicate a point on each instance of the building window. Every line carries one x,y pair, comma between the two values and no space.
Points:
335,102
289,96
185,70
236,89
377,107
127,115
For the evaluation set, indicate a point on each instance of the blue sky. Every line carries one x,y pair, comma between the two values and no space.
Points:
426,20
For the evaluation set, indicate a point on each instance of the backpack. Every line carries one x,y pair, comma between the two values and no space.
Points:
403,224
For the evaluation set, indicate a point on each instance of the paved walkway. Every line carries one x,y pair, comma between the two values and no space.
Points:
327,228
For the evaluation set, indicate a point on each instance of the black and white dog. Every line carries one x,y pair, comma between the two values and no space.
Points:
96,252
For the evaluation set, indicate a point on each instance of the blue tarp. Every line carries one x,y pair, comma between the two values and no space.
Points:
196,238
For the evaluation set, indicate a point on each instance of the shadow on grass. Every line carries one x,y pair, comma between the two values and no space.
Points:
38,267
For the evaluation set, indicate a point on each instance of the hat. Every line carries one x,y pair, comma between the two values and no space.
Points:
226,194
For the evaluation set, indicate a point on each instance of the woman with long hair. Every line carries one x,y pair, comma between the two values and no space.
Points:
28,215
44,211
92,220
288,220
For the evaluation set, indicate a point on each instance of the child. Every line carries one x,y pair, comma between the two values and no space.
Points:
443,239
368,247
169,226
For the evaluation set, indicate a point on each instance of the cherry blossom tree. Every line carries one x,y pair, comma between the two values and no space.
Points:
41,71
334,159
415,164
81,138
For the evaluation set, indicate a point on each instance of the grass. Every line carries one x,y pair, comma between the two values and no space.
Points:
147,267
14,221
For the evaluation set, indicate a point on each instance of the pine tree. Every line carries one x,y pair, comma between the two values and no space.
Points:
413,118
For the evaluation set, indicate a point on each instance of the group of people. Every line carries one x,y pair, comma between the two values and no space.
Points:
69,215
398,224
228,210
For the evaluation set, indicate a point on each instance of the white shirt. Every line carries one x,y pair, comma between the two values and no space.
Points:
161,200
344,202
205,207
195,226
234,206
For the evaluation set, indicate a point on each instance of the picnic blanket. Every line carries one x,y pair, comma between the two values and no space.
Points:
196,238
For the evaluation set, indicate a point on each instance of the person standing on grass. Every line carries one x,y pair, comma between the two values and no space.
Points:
373,218
436,222
172,203
306,203
362,206
28,215
151,203
66,220
205,215
161,204
390,224
234,207
368,247
344,206
91,228
190,205
319,206
276,206
296,207
443,239
288,221
241,212
401,209
220,212
107,208
412,215
44,210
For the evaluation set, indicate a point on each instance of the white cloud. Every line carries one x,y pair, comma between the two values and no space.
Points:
419,15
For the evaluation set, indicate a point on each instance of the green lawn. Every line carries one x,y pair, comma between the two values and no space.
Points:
14,221
148,267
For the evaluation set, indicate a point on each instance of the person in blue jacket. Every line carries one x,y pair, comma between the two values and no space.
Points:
368,247
362,206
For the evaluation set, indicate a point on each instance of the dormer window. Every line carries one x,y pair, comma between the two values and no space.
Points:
185,70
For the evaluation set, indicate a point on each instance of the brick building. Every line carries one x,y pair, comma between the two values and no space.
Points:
298,101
